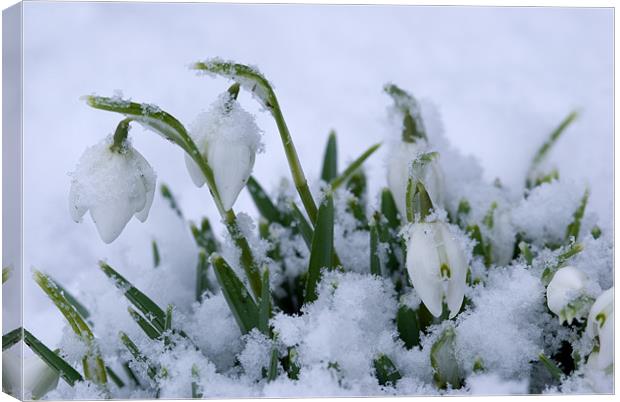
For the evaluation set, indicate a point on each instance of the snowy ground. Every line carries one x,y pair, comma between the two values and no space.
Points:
502,79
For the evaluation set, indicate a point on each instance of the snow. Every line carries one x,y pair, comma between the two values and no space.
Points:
496,109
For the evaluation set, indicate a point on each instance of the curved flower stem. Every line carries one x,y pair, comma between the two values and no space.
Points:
247,258
120,135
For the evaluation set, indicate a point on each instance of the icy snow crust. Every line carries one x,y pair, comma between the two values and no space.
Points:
499,334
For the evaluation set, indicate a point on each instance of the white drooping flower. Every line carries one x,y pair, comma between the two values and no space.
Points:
437,266
38,377
565,296
399,169
601,325
228,137
113,186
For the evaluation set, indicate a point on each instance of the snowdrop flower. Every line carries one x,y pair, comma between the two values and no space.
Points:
228,137
114,185
39,378
437,266
399,168
601,324
564,294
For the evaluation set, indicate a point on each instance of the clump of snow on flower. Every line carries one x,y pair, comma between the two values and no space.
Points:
113,186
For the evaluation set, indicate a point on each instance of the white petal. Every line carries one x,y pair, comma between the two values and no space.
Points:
77,208
606,343
603,304
398,163
564,288
434,182
423,267
147,177
111,219
457,262
194,171
232,164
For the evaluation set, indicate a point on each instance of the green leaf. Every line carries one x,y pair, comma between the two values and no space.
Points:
11,338
55,362
388,209
330,160
322,247
304,227
386,372
263,203
418,200
172,202
83,311
407,105
357,184
114,377
264,307
408,327
196,394
548,144
553,369
548,273
353,167
156,257
151,311
444,363
144,324
202,279
6,274
375,261
272,373
236,294
204,236
488,218
572,231
526,252
137,354
481,249
74,319
291,365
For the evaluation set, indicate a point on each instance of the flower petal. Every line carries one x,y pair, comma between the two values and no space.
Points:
423,267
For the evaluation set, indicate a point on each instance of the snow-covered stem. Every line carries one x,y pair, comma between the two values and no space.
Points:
120,135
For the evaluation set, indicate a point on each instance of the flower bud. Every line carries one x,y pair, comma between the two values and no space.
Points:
565,294
601,325
399,167
437,266
113,185
228,138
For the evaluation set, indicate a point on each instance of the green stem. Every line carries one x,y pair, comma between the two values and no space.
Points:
247,259
120,136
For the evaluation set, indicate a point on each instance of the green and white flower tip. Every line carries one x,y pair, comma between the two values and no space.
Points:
401,166
39,378
114,183
565,296
601,324
437,266
228,138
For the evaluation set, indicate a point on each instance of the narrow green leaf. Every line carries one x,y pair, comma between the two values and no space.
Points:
137,354
156,257
353,167
481,249
572,231
548,144
526,252
548,273
132,376
357,184
202,279
407,105
262,201
408,327
386,372
272,373
172,202
375,261
168,322
322,247
553,369
144,324
236,294
444,363
114,377
388,208
151,311
291,365
488,218
204,236
11,338
68,311
55,362
6,274
264,307
304,227
196,393
330,159
252,271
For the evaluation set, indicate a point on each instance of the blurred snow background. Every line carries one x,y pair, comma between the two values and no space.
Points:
502,79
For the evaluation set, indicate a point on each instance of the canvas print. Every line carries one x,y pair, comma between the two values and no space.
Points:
207,200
